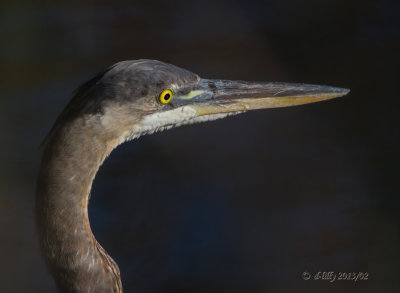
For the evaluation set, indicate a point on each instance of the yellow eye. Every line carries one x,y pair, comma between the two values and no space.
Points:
165,96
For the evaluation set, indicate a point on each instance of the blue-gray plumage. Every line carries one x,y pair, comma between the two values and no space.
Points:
127,100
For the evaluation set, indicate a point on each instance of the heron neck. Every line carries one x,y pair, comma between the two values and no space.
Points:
75,259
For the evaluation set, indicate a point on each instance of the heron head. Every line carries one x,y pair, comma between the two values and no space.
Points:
132,98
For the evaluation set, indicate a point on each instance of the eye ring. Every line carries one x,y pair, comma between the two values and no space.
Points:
166,96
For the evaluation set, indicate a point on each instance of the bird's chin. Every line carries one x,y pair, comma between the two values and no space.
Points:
168,119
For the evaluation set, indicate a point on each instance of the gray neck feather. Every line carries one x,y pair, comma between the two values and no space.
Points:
70,161
73,153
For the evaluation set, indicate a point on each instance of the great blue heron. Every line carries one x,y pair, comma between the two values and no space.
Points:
127,100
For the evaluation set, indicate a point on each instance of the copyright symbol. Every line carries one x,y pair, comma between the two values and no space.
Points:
306,276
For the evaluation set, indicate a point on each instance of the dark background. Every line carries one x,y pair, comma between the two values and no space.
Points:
245,204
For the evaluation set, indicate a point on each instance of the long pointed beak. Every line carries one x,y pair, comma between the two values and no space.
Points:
225,96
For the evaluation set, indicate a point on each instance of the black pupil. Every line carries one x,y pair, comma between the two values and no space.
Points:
167,96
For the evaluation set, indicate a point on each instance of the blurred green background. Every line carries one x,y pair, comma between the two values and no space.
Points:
245,204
